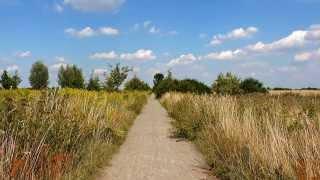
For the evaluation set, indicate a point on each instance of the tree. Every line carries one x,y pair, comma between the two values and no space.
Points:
10,82
94,84
70,77
6,80
116,77
136,84
16,80
227,84
192,86
39,76
251,85
157,79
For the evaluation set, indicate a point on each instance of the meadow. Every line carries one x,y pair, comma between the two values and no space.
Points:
62,134
255,136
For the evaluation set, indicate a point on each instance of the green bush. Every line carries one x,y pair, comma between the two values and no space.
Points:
39,75
187,85
227,84
136,84
251,85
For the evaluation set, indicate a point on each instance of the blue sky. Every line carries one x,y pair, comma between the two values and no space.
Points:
276,41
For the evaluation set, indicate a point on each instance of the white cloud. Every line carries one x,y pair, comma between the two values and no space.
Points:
94,5
24,54
12,68
141,54
154,30
90,32
83,33
233,35
225,55
58,8
58,65
105,55
297,39
183,60
109,31
306,56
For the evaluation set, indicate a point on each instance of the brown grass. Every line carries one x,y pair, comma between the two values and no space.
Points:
252,137
62,134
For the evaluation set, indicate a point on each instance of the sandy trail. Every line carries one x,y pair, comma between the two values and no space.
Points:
150,154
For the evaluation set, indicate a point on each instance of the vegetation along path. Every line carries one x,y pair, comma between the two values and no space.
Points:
150,154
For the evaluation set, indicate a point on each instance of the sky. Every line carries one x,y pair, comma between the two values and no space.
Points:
275,41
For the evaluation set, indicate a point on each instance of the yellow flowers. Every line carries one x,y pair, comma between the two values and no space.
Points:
56,126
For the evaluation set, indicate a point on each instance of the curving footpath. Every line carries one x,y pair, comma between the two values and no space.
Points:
150,154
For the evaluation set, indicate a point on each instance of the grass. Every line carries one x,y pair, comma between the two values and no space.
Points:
65,134
254,136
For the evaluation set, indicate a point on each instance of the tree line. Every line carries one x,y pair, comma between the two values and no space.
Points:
71,76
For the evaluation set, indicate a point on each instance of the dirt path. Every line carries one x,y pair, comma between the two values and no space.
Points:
150,154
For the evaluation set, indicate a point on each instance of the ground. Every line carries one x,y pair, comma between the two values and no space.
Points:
149,153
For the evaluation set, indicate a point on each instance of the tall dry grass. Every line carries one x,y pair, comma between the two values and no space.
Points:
252,137
64,134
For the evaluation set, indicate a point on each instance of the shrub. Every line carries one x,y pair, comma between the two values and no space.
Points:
251,85
93,84
227,84
157,79
39,76
70,77
136,84
10,81
192,86
116,77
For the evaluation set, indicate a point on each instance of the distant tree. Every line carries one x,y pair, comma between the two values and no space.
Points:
227,84
93,84
6,80
16,80
116,77
10,82
39,76
136,84
192,86
251,85
70,77
157,79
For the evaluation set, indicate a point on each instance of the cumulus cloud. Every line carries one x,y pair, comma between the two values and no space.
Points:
225,55
109,31
90,32
306,56
141,54
23,54
183,60
105,55
233,35
296,39
154,30
94,5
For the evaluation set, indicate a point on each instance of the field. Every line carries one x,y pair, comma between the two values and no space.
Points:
65,134
251,136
